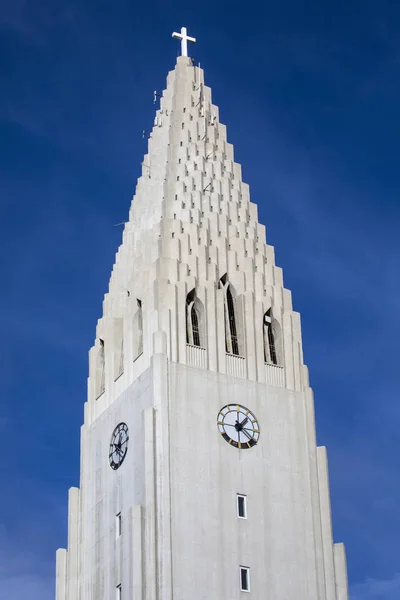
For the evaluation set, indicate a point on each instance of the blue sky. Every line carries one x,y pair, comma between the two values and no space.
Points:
310,94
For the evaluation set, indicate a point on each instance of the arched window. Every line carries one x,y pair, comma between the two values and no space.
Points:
194,320
138,331
231,329
100,374
118,347
272,339
232,322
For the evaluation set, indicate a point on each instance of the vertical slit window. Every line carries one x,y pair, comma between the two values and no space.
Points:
244,579
118,525
241,506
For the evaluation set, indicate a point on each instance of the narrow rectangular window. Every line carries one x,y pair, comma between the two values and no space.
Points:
118,524
241,506
118,594
244,579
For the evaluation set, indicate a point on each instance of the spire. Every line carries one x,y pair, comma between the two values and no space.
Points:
190,199
194,233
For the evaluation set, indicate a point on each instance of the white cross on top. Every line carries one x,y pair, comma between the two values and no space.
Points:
183,36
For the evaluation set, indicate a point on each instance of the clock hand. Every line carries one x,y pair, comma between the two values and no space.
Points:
246,434
244,421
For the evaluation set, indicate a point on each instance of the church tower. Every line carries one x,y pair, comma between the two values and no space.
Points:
200,476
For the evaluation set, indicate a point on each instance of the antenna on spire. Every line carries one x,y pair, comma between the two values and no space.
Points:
200,103
183,36
147,167
155,96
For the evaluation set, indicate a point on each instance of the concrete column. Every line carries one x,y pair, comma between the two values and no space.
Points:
150,537
73,537
342,592
326,525
61,574
320,592
137,519
162,403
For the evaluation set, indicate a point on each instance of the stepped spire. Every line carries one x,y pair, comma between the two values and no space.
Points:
193,232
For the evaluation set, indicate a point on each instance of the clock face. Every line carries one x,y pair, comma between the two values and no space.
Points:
118,445
238,426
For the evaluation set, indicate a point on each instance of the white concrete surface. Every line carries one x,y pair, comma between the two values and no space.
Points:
192,222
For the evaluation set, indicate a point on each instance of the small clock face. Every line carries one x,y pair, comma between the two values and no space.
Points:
118,445
238,426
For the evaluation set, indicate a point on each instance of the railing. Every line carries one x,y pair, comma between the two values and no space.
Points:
235,365
274,375
196,356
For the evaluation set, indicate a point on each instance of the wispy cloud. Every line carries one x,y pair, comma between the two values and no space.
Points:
34,22
377,589
25,569
25,585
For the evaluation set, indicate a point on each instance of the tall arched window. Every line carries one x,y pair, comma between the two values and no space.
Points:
100,369
194,320
230,313
232,322
272,339
138,331
118,347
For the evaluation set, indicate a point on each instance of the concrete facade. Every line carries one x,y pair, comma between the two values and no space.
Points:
192,234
